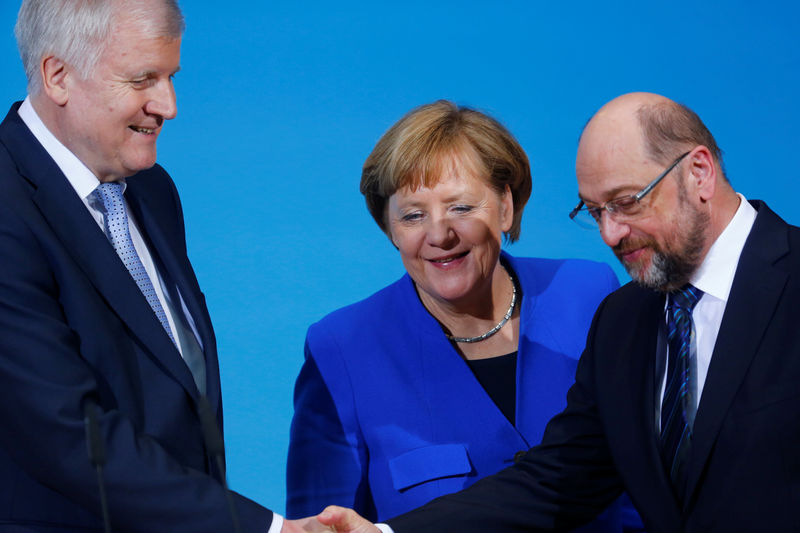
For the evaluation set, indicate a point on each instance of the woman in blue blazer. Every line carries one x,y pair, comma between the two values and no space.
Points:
453,371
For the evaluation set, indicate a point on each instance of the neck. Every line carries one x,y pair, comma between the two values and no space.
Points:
48,113
721,210
478,311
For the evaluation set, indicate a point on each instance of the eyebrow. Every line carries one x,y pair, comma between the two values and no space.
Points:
149,73
456,198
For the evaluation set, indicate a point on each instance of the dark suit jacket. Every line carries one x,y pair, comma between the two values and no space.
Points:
744,470
74,326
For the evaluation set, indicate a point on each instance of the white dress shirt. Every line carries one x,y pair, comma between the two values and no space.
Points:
715,277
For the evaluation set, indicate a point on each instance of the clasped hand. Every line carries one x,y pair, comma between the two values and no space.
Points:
333,518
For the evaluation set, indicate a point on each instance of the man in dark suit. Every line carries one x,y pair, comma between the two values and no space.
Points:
686,395
101,317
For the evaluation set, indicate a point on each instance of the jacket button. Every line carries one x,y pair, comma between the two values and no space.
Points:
519,455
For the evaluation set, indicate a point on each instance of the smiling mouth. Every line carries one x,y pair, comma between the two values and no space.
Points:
144,131
448,259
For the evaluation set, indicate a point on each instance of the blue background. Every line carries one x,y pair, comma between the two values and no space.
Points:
281,102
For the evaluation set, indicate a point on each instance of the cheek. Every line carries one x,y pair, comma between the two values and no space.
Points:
406,241
478,232
672,232
647,229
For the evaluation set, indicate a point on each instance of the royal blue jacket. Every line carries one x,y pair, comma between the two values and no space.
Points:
389,416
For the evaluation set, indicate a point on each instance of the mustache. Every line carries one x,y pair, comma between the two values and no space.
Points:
629,244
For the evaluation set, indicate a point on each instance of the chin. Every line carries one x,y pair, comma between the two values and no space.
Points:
140,166
451,293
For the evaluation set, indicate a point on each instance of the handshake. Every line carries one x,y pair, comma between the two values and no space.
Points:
332,518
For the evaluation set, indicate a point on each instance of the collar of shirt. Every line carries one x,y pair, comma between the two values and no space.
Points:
84,182
715,275
79,176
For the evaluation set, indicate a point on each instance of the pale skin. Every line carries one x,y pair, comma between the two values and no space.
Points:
111,119
449,237
612,161
333,518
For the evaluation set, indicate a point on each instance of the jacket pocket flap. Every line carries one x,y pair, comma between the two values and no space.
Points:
428,463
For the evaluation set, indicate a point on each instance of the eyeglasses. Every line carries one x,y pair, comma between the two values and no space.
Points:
623,208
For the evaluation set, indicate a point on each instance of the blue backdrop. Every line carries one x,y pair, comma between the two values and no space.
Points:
280,103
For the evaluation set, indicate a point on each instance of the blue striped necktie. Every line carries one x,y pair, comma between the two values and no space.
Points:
679,405
116,222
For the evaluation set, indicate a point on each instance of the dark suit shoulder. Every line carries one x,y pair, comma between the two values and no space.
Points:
11,182
773,239
154,183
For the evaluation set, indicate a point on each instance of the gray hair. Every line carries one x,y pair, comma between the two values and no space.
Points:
76,31
669,128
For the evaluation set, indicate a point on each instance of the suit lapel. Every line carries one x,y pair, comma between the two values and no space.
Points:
86,243
637,394
543,370
177,270
756,289
450,384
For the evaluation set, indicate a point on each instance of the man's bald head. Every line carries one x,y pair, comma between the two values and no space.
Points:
646,147
658,126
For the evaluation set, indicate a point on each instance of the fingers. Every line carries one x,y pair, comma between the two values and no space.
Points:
345,520
305,525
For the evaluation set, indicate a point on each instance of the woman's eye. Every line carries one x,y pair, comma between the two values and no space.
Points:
462,208
411,217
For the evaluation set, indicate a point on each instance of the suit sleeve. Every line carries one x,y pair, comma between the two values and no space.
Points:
45,381
558,485
327,454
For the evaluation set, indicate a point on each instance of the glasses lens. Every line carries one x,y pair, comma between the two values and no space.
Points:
627,206
586,218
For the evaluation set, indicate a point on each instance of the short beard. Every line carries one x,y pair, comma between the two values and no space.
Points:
671,269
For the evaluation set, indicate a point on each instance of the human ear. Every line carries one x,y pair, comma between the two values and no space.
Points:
702,173
54,74
506,209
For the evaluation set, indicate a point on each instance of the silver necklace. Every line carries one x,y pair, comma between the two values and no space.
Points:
499,324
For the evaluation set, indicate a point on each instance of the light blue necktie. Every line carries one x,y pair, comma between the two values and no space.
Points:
116,221
680,405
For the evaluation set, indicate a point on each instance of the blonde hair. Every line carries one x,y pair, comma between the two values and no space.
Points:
416,149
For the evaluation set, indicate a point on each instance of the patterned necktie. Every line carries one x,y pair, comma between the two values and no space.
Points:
116,221
679,405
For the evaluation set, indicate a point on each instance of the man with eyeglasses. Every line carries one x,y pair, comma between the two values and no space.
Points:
688,392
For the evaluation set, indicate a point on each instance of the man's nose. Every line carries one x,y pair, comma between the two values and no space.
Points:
611,230
163,102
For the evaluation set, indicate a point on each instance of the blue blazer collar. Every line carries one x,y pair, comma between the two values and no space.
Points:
436,352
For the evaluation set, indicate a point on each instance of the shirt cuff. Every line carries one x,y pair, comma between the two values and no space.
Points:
277,524
383,527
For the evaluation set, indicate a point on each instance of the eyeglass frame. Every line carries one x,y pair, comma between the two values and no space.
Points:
610,205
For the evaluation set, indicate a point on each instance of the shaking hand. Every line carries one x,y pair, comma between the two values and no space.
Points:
333,518
343,520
